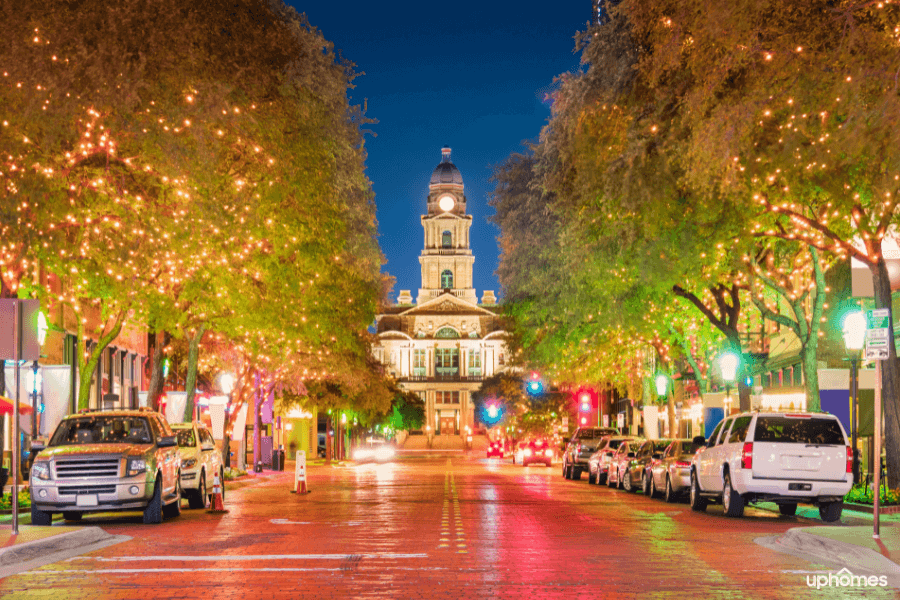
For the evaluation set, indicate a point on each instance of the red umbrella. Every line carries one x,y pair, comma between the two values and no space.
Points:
6,407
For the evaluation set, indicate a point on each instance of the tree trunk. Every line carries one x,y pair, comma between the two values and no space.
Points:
226,447
890,375
190,384
329,454
157,380
670,403
89,365
811,379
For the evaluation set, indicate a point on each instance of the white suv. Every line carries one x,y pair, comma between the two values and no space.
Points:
784,458
200,463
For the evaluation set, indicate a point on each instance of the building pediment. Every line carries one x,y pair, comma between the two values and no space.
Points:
444,304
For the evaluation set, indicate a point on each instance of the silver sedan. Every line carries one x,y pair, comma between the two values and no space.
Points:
672,473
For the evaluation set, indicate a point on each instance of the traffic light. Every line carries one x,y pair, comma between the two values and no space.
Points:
534,385
492,411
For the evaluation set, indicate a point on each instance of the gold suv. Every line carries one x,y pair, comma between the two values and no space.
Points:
107,460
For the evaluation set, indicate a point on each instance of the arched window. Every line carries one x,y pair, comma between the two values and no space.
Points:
447,279
446,240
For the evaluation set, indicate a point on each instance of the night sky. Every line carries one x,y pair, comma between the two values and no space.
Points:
472,75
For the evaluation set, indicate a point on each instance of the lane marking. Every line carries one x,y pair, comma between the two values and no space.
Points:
45,572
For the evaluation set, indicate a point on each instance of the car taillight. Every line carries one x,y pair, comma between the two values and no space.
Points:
682,464
747,456
849,459
549,452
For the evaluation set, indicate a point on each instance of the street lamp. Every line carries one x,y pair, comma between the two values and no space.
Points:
662,387
226,384
728,364
854,330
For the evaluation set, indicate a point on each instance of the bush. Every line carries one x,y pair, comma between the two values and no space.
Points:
24,500
231,473
862,494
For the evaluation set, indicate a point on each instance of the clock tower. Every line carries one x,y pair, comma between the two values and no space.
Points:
446,259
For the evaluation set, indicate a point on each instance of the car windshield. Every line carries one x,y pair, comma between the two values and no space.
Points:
590,434
105,429
690,448
186,438
613,444
661,445
798,431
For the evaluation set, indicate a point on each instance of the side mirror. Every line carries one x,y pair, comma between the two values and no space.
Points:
166,441
37,446
631,455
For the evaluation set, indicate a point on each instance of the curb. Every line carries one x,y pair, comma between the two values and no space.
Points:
31,555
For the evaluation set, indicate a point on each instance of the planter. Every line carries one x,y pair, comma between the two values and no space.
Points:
868,508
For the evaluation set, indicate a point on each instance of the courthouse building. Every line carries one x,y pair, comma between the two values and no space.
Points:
443,344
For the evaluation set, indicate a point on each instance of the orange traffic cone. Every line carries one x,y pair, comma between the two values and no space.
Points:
301,480
217,505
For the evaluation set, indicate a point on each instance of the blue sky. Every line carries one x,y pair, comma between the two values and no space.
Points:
470,75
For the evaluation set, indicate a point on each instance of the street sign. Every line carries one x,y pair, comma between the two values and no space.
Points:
19,339
877,353
565,422
878,318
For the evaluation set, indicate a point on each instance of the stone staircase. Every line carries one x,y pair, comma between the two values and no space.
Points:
444,443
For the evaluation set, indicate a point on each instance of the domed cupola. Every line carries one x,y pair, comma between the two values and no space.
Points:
446,172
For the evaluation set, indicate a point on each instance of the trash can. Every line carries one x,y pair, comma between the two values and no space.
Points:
4,478
278,460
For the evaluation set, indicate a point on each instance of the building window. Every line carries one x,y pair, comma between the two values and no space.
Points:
474,362
446,240
447,279
446,362
446,332
501,360
446,397
419,363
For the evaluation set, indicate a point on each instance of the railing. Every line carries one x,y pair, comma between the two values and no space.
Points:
430,378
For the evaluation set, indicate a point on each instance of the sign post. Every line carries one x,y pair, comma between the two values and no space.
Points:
18,342
877,349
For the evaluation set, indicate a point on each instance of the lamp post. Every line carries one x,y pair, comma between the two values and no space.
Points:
226,384
854,330
728,364
662,386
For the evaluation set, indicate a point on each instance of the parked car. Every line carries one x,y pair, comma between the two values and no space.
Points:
537,451
619,460
631,469
785,458
600,460
374,449
672,471
495,449
200,463
579,449
107,460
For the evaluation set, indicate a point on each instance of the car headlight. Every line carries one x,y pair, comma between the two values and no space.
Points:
41,470
188,463
135,466
384,453
361,454
548,452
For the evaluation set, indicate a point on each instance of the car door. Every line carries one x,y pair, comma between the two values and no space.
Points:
706,459
208,450
169,458
734,444
658,467
717,457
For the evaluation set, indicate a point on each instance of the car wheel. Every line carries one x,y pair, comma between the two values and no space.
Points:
787,509
609,479
626,482
731,500
592,477
41,518
153,511
173,509
670,494
653,491
619,481
831,511
198,497
72,515
645,484
576,473
698,502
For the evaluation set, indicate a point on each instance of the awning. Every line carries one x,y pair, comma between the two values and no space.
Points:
6,407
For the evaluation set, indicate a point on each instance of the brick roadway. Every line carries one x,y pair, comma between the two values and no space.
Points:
436,528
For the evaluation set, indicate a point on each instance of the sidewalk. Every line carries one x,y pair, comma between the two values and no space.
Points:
845,545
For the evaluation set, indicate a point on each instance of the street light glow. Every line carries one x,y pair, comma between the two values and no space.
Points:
226,382
854,330
728,363
662,383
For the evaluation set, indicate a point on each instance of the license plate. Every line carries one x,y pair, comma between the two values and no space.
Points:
86,500
799,487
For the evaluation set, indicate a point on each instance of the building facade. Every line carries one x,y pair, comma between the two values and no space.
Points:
444,344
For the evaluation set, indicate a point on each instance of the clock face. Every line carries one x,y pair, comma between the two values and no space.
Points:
446,203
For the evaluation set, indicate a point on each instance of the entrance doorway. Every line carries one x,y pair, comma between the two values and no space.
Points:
448,425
